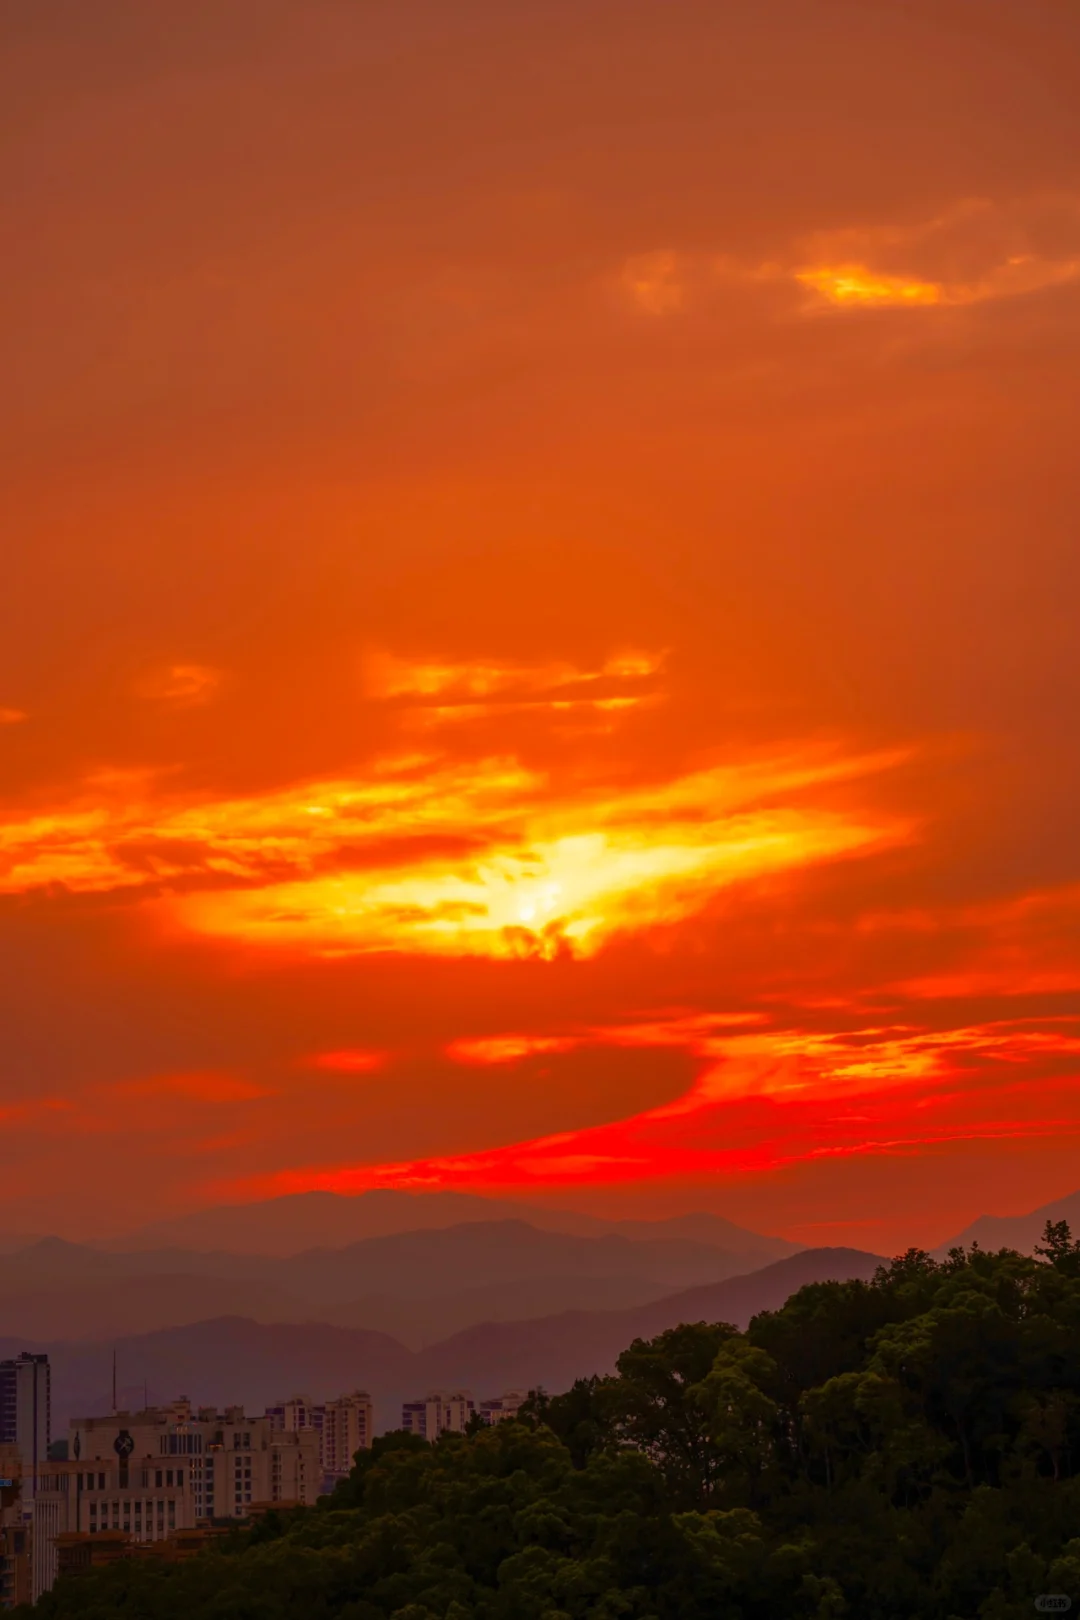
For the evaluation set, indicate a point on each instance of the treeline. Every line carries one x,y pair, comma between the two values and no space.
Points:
907,1449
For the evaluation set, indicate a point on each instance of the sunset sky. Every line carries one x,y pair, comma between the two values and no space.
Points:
539,618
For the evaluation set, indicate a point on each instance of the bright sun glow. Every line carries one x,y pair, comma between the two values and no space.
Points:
436,857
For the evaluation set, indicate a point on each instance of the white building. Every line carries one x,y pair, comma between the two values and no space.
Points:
443,1411
142,1497
501,1407
234,1461
299,1412
343,1427
346,1429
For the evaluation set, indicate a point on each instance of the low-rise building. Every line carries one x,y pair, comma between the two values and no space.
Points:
15,1533
123,1496
79,1550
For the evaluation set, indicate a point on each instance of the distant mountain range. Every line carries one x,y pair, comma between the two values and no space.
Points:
557,1349
300,1221
426,1268
233,1359
1020,1232
417,1285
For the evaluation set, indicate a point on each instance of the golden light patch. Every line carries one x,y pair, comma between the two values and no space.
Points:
446,858
438,856
855,284
858,286
493,1049
436,691
540,885
1001,247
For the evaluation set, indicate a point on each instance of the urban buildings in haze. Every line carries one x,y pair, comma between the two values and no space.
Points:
441,1412
15,1532
342,1427
450,1411
152,1482
26,1412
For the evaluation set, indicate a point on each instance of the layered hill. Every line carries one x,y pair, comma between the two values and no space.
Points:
231,1358
419,1285
1020,1232
299,1221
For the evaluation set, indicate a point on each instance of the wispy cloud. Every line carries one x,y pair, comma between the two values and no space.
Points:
979,251
349,1060
199,1087
857,285
655,281
456,691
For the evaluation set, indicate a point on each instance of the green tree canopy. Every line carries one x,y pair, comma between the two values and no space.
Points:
904,1449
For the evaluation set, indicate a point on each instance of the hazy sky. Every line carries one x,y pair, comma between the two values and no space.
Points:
538,635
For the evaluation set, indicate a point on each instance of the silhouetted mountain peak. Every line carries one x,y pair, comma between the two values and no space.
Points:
1020,1232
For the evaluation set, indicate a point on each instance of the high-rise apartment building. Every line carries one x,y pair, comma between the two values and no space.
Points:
449,1411
299,1412
346,1429
442,1411
343,1427
26,1412
502,1407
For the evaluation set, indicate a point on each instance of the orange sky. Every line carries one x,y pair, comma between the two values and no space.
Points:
538,636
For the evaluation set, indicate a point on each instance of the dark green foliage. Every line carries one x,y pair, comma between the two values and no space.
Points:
907,1449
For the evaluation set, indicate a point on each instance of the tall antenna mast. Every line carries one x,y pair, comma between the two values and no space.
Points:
114,1383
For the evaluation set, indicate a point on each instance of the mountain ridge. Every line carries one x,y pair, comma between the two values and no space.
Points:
297,1221
231,1358
422,1284
1020,1232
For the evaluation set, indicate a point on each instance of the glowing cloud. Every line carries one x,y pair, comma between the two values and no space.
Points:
440,857
975,252
768,1101
509,1048
352,1060
540,886
439,692
12,717
855,284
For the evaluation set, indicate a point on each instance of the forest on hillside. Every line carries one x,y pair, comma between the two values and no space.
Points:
904,1449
